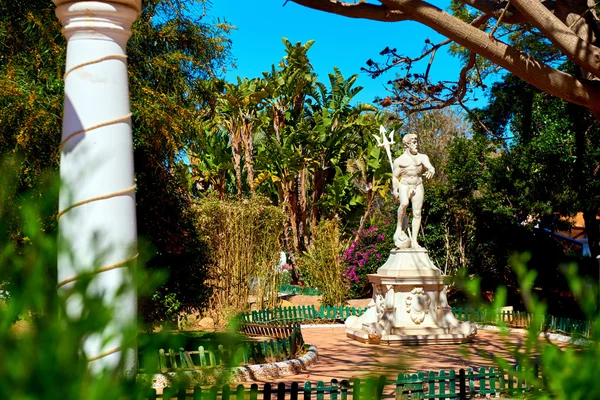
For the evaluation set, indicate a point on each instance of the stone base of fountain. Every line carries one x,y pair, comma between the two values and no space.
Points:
409,305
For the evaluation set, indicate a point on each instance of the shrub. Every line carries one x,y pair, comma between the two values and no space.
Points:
568,372
42,355
243,240
321,266
365,255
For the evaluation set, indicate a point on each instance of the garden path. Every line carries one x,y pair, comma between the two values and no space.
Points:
343,358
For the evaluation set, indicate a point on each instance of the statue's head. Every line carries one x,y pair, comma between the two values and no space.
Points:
408,139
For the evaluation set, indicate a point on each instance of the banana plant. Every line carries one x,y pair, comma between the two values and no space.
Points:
371,176
336,132
284,123
210,161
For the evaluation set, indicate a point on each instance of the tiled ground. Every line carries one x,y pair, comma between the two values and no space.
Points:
344,358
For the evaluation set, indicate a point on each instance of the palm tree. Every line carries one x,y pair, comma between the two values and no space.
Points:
238,107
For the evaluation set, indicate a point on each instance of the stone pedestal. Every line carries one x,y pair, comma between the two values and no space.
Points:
409,305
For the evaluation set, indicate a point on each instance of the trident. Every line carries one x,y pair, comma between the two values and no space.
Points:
385,143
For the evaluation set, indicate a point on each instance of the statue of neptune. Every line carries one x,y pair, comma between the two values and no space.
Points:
407,184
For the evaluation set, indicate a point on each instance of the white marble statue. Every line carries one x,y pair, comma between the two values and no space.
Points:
409,304
407,184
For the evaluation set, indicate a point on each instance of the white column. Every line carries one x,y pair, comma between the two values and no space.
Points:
97,223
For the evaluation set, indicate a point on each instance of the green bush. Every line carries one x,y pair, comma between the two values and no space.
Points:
40,341
321,266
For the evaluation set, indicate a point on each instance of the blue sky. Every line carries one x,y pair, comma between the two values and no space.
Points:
343,42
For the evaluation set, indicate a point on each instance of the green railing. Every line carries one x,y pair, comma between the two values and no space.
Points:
257,352
513,319
300,314
464,384
520,319
293,289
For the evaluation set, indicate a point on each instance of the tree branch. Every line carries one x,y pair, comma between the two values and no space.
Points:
582,53
494,9
557,83
531,70
354,10
414,92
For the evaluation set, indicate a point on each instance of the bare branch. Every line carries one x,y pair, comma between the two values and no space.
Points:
502,15
431,58
462,81
414,93
581,17
394,59
478,120
557,83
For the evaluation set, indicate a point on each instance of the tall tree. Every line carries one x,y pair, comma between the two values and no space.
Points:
337,130
310,130
289,87
172,51
32,50
553,153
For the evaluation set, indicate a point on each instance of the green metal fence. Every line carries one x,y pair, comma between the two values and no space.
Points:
287,342
514,319
520,319
300,314
464,384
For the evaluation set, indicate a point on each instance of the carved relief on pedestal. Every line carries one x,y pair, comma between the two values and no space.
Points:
384,309
417,305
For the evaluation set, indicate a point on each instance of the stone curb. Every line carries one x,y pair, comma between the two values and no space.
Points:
310,326
552,336
237,374
277,369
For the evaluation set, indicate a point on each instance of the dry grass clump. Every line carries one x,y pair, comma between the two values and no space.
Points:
321,266
243,237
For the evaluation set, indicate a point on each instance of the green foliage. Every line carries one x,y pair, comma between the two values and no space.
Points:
210,163
525,179
308,131
41,342
567,370
479,217
321,266
31,86
244,241
172,53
